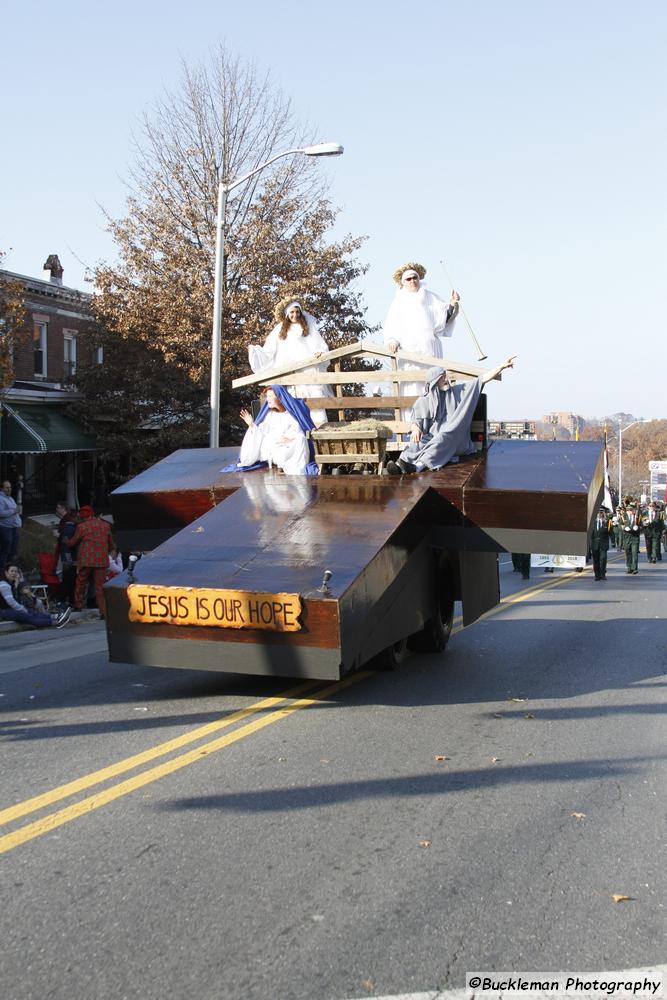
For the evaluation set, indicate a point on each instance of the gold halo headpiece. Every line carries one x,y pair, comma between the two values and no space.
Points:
279,312
411,266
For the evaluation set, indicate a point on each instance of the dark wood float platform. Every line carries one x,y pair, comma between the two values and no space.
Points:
385,540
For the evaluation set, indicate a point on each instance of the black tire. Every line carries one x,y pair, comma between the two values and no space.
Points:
391,657
434,636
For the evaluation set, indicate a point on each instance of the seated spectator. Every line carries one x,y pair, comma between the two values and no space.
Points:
11,610
24,593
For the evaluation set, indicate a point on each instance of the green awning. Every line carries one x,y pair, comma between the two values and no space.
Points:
34,429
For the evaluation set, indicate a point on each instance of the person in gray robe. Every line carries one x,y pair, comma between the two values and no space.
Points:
441,420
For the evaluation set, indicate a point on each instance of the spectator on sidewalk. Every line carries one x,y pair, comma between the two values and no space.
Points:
67,522
24,593
11,610
10,523
94,540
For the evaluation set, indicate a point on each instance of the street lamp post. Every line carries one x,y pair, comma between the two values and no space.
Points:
320,149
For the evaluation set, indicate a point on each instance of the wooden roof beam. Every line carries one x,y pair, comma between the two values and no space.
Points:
363,348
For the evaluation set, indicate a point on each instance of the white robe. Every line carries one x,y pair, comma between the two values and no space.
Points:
278,440
417,321
295,347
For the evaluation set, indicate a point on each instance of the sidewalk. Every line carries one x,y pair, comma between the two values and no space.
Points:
89,615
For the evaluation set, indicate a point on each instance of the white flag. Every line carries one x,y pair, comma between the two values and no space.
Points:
607,494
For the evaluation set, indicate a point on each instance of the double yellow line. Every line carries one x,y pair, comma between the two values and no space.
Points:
270,710
290,702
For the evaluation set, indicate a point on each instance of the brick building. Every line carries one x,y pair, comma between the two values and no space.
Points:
43,452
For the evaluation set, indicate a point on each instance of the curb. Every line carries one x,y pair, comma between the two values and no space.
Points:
89,615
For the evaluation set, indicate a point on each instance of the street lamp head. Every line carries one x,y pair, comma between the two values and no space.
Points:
639,420
324,149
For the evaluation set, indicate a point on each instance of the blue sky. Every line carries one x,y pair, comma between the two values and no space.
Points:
523,143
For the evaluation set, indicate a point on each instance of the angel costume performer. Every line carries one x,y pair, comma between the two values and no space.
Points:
444,417
296,345
416,321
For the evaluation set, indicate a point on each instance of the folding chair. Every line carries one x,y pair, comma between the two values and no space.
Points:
50,586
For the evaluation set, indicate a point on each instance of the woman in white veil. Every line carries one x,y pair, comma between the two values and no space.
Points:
295,337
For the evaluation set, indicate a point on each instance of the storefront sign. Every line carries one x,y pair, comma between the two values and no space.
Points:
218,608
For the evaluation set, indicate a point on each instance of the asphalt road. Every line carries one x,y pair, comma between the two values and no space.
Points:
156,844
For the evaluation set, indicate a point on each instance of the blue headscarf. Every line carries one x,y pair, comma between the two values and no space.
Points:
297,409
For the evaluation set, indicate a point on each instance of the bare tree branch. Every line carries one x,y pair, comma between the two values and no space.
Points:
155,307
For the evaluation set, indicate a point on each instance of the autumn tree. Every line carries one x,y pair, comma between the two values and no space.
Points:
643,443
13,323
593,430
154,307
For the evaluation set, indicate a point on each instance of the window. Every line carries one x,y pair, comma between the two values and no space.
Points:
40,338
99,355
69,353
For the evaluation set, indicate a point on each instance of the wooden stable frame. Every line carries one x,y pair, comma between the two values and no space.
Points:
294,374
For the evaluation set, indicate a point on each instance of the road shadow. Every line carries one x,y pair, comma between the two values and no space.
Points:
36,728
499,659
318,796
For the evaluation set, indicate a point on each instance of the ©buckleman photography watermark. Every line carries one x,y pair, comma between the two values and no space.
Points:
565,984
